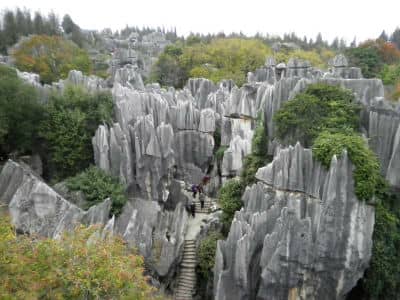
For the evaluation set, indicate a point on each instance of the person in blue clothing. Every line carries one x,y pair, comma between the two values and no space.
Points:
194,189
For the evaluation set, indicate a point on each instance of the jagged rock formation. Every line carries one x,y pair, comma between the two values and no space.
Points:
36,208
127,76
281,244
90,83
340,68
302,233
158,235
382,120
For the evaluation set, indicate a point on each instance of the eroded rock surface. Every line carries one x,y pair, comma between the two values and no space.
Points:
36,208
302,233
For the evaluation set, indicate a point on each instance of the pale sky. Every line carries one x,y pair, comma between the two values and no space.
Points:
343,18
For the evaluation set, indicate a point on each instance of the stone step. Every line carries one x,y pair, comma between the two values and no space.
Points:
187,273
189,256
189,285
189,265
183,297
187,281
189,249
185,290
188,259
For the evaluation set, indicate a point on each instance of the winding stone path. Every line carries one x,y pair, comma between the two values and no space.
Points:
187,274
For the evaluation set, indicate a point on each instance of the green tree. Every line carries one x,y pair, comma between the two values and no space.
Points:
70,123
320,107
20,113
219,59
367,58
52,57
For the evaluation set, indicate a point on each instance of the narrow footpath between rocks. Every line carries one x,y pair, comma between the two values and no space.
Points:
187,276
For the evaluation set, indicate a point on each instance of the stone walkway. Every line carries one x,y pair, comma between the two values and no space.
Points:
187,276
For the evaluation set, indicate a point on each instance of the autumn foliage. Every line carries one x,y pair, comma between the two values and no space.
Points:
77,266
52,57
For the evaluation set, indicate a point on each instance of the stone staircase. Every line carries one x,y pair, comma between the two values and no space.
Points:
207,205
187,277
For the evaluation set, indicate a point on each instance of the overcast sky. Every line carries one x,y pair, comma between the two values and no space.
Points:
344,18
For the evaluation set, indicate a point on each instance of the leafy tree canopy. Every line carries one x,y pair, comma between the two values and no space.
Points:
71,121
72,267
320,107
52,57
20,113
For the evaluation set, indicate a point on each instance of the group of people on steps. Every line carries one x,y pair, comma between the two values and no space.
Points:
197,189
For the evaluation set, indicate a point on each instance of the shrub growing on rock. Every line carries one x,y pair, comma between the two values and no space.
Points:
96,185
230,200
320,107
73,267
206,253
367,171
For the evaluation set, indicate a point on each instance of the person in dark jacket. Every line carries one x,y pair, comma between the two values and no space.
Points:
193,209
202,196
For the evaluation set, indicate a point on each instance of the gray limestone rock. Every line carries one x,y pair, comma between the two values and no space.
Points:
241,102
207,121
298,67
339,61
302,233
193,148
128,76
200,89
35,208
157,235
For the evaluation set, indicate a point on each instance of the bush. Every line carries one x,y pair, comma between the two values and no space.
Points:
96,185
206,254
20,113
230,200
69,268
317,58
382,278
258,157
390,74
367,171
52,57
320,107
70,123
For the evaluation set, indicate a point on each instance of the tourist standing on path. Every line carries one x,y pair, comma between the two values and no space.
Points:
201,196
193,209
